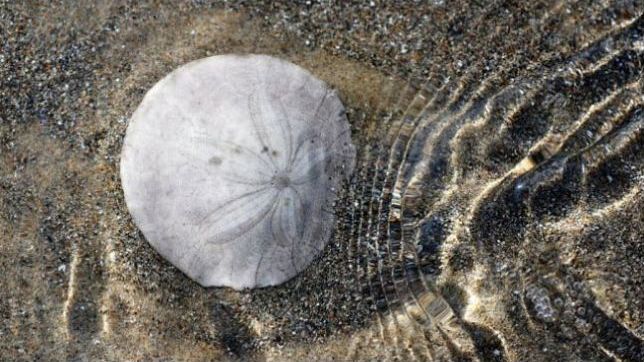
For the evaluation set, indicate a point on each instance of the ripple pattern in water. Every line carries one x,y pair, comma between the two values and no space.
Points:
486,184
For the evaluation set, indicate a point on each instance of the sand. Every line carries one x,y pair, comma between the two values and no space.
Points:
496,212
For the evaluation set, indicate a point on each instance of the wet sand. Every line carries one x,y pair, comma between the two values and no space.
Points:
496,213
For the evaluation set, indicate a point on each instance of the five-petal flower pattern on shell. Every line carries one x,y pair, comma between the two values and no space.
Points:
278,194
230,168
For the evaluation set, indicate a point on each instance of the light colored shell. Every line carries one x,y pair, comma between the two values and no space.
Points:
230,166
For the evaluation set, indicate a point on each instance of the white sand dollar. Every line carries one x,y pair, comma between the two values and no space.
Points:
230,167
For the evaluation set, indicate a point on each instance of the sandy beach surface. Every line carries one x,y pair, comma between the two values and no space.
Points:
496,213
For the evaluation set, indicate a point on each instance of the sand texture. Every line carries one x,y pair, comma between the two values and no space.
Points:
495,212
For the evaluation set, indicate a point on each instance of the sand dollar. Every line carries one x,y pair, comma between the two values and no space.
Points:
230,167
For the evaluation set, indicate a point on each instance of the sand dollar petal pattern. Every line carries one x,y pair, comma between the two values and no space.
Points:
230,166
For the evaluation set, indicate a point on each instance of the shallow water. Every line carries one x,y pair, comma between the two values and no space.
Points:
495,214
